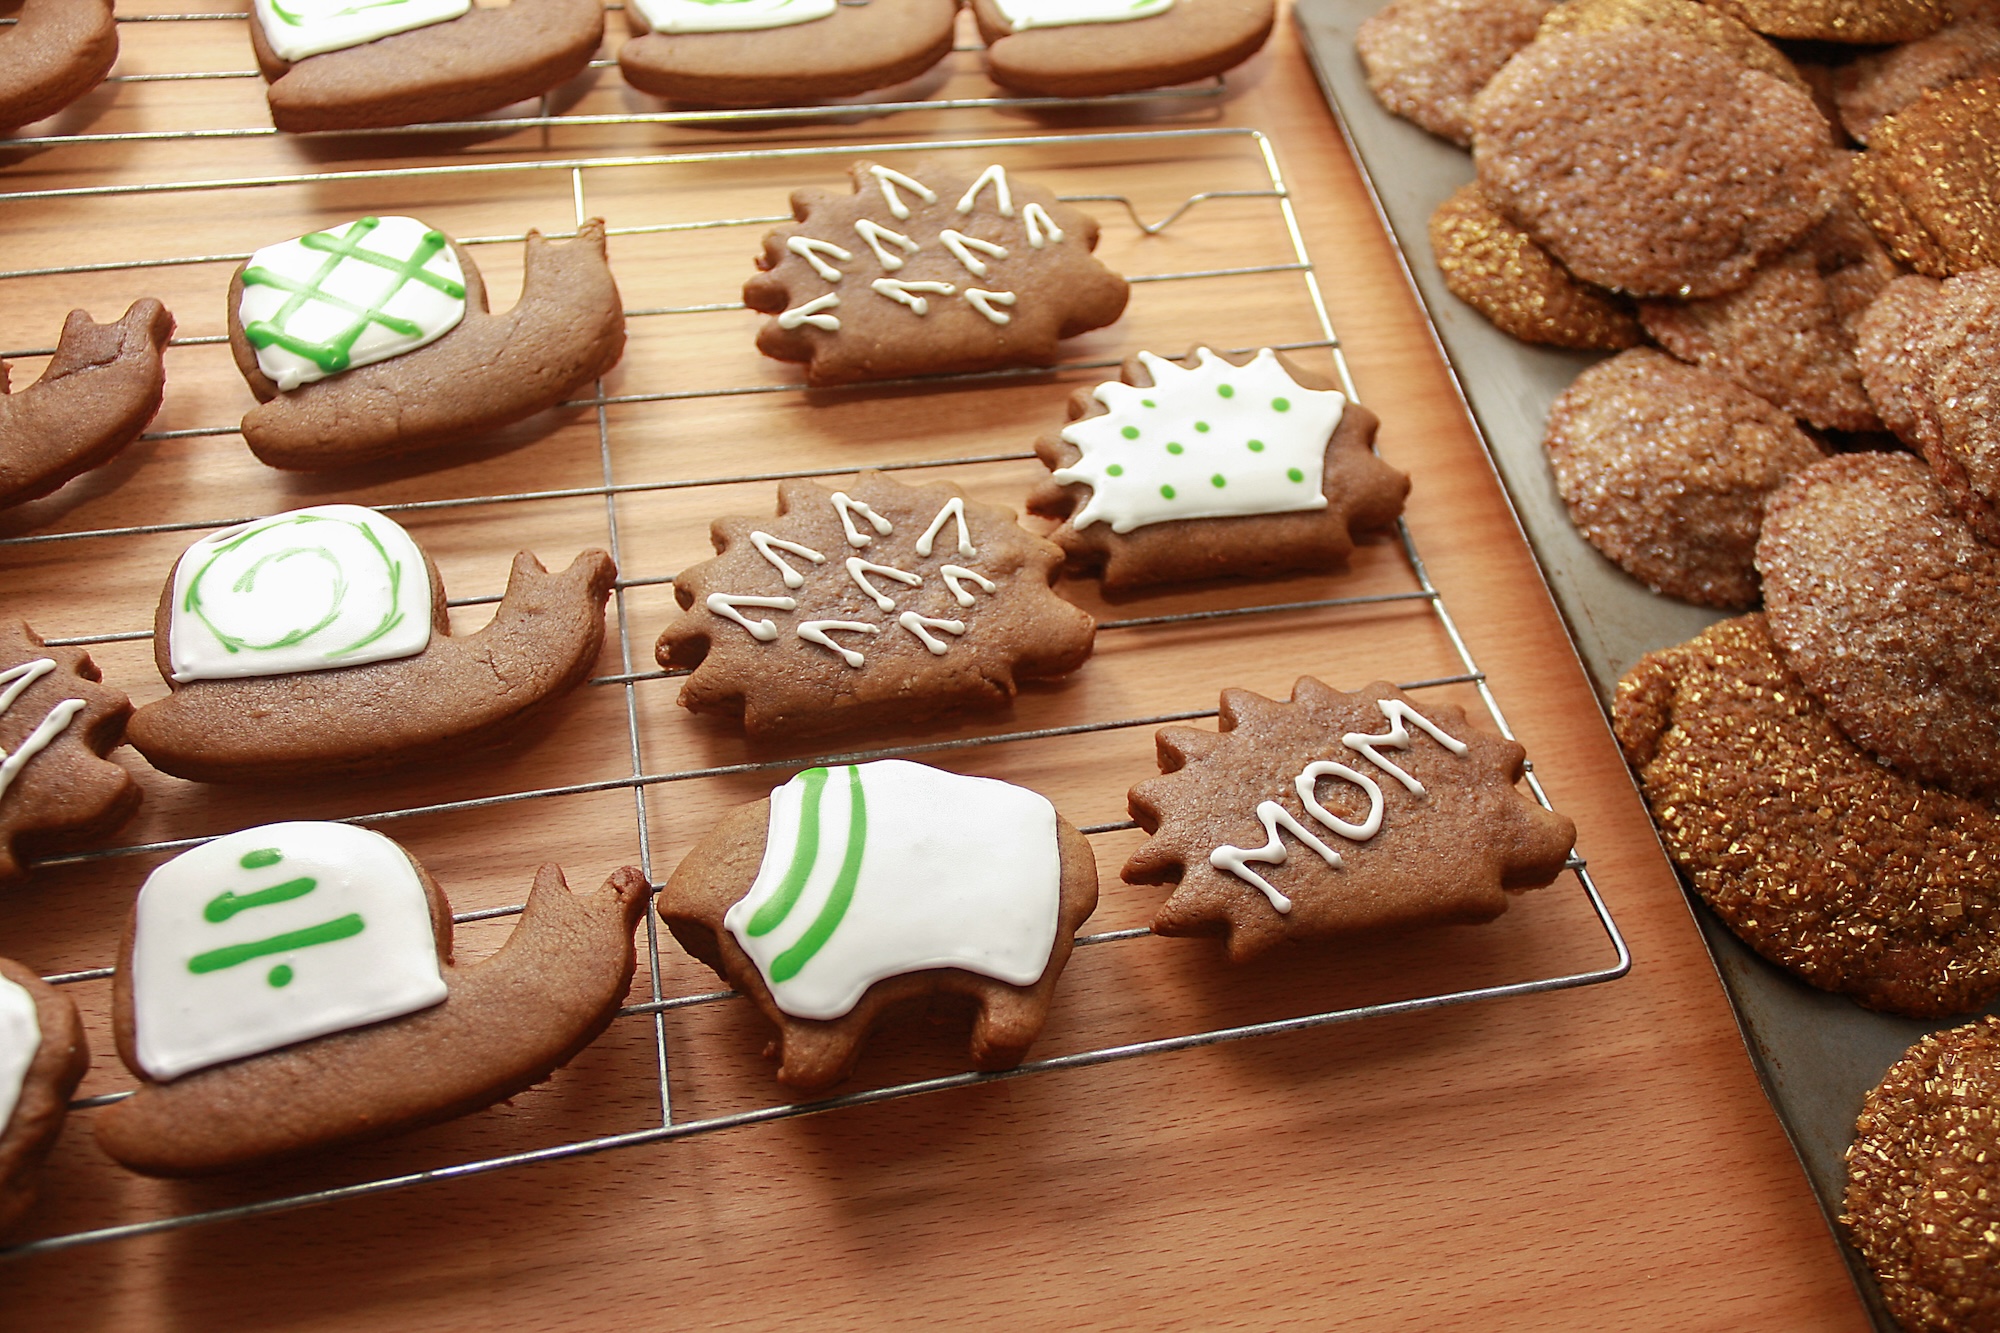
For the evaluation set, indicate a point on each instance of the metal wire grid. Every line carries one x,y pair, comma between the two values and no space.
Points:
640,782
546,117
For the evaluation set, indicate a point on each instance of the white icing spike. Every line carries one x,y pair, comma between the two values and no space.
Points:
847,508
921,626
875,234
952,575
1003,197
1307,785
1397,737
811,249
765,542
17,679
815,632
899,291
962,246
1042,229
859,570
37,741
984,301
809,313
889,178
954,508
1273,817
764,631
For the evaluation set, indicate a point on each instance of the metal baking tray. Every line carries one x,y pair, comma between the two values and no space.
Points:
1817,1054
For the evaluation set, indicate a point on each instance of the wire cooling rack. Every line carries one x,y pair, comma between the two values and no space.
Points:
586,178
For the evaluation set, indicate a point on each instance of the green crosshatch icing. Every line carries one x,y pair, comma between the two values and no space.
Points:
334,354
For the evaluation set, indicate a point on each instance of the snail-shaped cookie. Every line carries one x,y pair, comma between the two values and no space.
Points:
55,52
1090,48
43,1057
767,52
101,387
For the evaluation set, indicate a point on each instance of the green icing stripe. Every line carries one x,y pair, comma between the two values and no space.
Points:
780,904
223,906
215,960
787,964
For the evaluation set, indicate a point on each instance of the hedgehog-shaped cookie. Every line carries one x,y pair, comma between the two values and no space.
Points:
57,789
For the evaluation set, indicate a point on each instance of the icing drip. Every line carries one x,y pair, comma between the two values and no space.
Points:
1003,195
875,234
953,573
859,570
889,178
1022,15
1042,229
16,680
847,508
954,509
815,632
810,313
676,16
984,302
296,29
764,631
20,1039
897,290
962,246
764,542
811,250
921,626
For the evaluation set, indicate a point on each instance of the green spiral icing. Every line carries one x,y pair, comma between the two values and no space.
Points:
246,584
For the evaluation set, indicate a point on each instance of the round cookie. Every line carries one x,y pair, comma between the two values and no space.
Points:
1955,395
1888,607
1703,23
1850,21
1885,339
1425,59
1880,84
1665,469
1923,1180
850,50
1856,878
1650,162
1929,183
1494,267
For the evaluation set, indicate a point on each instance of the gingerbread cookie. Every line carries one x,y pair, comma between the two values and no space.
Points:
1650,162
1855,22
1929,183
57,790
1092,48
1213,465
1425,59
774,52
291,988
316,642
1923,1181
929,273
43,1056
54,52
1888,607
101,388
1685,18
880,606
1879,85
1856,878
1887,336
373,340
1953,393
410,62
1497,269
855,889
1425,827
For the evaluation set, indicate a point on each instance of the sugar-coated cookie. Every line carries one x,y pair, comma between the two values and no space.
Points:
773,52
1857,22
316,642
1398,815
57,722
409,62
858,888
54,52
1091,48
874,608
1930,181
291,988
928,272
1684,18
1949,334
1425,59
1213,465
1880,84
1497,269
43,1056
1887,336
101,388
372,340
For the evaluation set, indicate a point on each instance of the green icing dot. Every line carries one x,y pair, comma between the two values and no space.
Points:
1175,449
1218,481
1256,446
1281,404
1225,390
1130,432
280,976
1295,474
1147,402
1167,491
1114,471
257,860
1201,426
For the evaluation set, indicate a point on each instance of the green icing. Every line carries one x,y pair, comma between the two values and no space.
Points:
1295,474
280,976
1281,404
333,354
1115,470
787,964
1256,446
1175,449
225,905
1201,426
215,960
246,583
1167,492
1218,481
300,20
779,905
1226,390
1130,432
259,860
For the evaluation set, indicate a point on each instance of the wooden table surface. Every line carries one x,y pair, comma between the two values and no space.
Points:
1591,1158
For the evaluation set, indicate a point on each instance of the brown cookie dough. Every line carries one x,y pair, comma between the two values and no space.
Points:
567,329
1415,830
812,1053
101,388
1951,332
854,49
1192,40
1426,59
1494,267
59,1064
1929,183
928,272
506,1024
1360,491
1666,469
826,619
1857,22
1923,1182
463,67
1843,871
57,790
1888,607
1652,163
461,692
1685,18
1886,338
1880,84
55,52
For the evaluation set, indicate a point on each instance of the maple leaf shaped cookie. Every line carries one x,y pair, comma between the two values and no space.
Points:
56,725
1336,813
879,606
929,273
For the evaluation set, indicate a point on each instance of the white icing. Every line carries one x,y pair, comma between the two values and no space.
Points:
954,509
921,626
815,632
889,178
213,978
1024,14
962,246
307,590
1003,195
984,302
677,16
859,570
810,313
20,1040
295,29
1042,229
1397,737
876,234
847,507
764,631
949,871
1274,852
304,299
953,573
897,290
765,544
1151,464
14,682
1307,786
811,249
